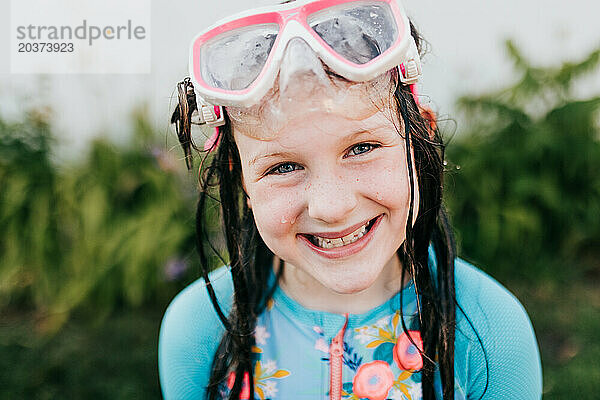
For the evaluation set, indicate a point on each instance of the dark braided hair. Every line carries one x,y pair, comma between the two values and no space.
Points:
251,260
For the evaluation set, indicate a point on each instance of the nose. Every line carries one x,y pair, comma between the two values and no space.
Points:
331,199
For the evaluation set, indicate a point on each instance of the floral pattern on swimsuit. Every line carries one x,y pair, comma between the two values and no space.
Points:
380,360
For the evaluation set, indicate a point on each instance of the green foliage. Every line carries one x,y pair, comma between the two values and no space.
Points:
97,233
528,190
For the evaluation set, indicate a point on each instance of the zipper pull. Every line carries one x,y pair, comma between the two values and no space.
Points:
336,360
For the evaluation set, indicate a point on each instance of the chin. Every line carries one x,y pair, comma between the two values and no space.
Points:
349,285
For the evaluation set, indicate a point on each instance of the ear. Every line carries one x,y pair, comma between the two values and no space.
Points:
428,114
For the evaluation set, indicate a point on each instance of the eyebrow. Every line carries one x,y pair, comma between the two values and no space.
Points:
282,154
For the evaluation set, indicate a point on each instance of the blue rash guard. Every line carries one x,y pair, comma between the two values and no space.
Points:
293,345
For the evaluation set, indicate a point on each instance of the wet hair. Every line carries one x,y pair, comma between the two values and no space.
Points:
251,260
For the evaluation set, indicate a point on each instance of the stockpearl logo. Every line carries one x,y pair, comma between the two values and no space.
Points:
83,36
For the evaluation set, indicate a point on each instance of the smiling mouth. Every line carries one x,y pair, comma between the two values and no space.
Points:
330,243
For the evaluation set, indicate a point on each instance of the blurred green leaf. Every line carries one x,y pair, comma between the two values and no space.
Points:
528,190
97,233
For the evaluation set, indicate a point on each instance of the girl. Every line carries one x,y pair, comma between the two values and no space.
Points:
342,280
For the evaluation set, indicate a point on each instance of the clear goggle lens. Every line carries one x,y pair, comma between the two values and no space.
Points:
233,60
357,32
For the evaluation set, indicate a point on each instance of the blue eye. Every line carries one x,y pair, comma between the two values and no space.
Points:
362,148
284,168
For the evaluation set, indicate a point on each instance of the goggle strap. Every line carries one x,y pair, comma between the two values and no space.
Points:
413,90
213,141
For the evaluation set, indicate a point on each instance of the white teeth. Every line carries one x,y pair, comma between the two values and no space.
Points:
339,242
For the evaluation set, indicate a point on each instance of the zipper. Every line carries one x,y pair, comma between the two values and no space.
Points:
336,360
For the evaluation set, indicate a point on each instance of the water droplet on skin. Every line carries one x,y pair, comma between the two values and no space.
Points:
293,221
283,220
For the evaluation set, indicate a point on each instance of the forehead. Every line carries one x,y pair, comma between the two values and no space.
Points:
341,101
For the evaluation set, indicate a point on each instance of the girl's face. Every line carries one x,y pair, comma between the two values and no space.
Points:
330,195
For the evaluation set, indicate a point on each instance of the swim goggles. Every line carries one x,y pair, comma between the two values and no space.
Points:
236,61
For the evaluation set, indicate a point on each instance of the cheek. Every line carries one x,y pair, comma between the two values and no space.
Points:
275,209
386,183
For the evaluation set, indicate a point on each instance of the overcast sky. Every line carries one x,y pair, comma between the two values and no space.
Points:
467,56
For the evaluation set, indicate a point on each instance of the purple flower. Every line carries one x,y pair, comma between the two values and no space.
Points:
174,269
